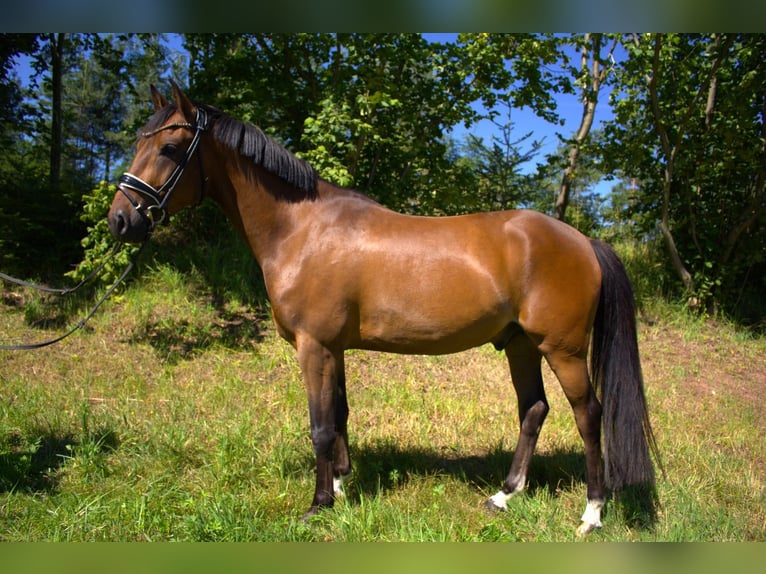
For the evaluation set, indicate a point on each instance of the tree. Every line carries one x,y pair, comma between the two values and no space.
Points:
57,43
366,109
498,168
12,46
68,129
372,110
13,123
689,126
104,101
593,71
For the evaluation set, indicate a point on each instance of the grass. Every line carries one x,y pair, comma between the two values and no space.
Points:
178,414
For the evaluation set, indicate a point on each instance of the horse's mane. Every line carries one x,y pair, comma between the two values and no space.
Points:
253,144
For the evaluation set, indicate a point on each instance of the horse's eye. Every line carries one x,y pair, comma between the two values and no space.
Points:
168,150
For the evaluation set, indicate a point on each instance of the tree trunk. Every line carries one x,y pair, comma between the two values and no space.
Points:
671,149
57,52
562,201
590,49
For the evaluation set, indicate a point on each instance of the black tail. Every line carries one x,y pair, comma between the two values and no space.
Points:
616,373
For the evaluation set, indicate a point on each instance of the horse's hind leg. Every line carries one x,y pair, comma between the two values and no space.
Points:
572,372
524,360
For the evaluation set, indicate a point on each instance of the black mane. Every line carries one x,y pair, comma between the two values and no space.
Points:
252,143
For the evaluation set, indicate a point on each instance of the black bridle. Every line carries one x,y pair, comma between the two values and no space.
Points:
155,211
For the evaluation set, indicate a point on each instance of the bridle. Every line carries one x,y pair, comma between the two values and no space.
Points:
156,210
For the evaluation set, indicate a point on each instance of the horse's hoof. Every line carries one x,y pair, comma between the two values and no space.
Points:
585,528
493,508
309,513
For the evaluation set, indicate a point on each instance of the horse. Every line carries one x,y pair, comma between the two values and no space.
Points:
344,272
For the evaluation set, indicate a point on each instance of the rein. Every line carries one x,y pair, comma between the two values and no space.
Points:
81,323
67,290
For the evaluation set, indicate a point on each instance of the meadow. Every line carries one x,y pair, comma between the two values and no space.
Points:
178,414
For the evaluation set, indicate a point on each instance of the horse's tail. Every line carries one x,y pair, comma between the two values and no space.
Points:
616,374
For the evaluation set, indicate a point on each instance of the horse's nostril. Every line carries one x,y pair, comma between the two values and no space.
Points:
118,224
128,227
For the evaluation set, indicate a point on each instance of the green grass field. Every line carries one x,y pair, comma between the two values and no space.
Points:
178,414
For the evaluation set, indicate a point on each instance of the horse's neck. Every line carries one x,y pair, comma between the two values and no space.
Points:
263,209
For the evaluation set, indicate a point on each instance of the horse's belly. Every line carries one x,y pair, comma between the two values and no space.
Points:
432,327
434,302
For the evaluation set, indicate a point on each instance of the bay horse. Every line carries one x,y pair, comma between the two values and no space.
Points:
343,272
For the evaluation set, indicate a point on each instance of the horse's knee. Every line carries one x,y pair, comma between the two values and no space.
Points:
323,440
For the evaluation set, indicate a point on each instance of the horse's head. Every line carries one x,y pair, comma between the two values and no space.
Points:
164,176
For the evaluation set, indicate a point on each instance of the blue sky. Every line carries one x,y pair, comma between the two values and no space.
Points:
568,107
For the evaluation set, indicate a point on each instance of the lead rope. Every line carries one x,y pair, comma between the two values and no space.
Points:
67,290
81,323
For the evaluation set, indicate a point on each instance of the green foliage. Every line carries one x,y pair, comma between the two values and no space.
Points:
372,111
326,135
98,244
706,131
647,269
40,225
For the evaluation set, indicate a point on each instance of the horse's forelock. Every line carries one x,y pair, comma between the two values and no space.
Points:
158,119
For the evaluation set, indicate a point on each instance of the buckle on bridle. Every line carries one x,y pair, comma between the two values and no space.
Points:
155,211
156,214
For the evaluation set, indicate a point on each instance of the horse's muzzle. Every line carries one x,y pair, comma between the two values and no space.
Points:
129,226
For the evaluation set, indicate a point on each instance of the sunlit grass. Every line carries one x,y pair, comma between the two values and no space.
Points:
180,415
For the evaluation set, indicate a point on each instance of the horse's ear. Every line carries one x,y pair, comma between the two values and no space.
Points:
183,103
158,99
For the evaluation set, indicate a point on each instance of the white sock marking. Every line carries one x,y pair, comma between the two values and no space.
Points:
591,518
500,499
337,486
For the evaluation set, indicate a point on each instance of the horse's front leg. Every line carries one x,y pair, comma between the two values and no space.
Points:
322,370
341,460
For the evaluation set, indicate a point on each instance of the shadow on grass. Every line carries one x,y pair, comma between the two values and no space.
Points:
31,468
176,339
385,467
31,465
207,252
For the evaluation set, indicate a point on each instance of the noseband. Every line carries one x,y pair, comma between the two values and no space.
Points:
156,209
